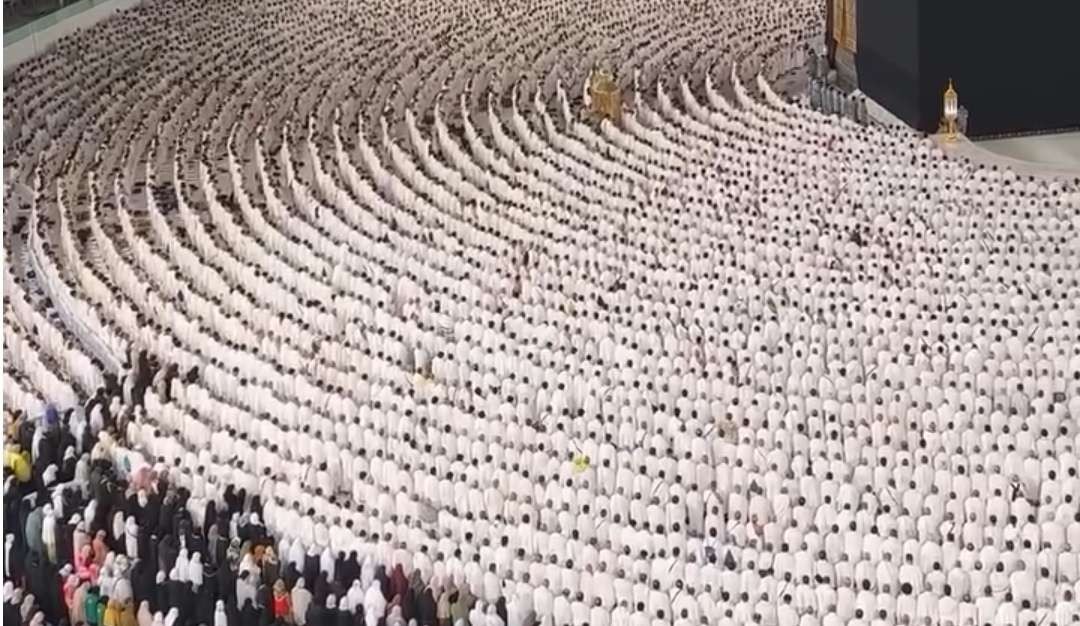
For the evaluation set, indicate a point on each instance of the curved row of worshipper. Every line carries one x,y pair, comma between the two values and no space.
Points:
1019,578
1022,579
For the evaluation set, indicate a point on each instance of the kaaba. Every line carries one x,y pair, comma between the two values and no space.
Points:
1015,65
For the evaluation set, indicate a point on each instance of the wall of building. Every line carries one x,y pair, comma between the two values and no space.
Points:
1015,65
888,55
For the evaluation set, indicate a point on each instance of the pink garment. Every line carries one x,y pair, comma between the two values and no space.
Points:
85,567
70,585
101,549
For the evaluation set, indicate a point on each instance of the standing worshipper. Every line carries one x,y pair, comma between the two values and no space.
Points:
426,608
282,603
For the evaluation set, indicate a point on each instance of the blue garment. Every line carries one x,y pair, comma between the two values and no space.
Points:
51,418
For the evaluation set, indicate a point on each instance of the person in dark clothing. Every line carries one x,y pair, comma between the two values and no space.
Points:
161,594
142,582
43,581
68,464
271,567
178,597
311,570
426,606
264,601
148,546
12,503
343,618
133,508
330,613
384,582
98,399
321,590
290,575
151,515
141,376
202,604
67,439
249,615
108,497
255,509
234,501
399,583
113,387
315,614
408,604
352,569
11,611
226,579
357,616
341,564
15,557
167,553
167,517
209,518
196,542
47,452
26,434
87,442
217,546
183,530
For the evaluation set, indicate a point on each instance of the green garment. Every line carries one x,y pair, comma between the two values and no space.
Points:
102,607
90,607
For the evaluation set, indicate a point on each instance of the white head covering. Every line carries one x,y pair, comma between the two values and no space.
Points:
220,617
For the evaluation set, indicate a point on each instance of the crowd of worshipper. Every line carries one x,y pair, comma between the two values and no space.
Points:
822,94
90,543
369,275
833,100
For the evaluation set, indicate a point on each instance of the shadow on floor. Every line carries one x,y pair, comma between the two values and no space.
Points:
21,13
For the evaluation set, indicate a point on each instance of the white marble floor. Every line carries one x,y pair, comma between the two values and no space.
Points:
1061,149
1056,155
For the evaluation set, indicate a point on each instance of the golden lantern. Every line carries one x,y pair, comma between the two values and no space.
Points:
951,112
606,100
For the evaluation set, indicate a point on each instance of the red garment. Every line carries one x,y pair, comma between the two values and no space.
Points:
282,606
399,582
85,568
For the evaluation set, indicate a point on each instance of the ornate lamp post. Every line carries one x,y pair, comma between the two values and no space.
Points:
605,99
951,108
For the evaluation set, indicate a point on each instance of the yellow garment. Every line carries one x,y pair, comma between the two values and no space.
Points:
581,463
127,615
112,614
18,462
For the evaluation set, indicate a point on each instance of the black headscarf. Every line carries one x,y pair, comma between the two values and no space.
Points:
321,589
315,614
289,574
426,608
